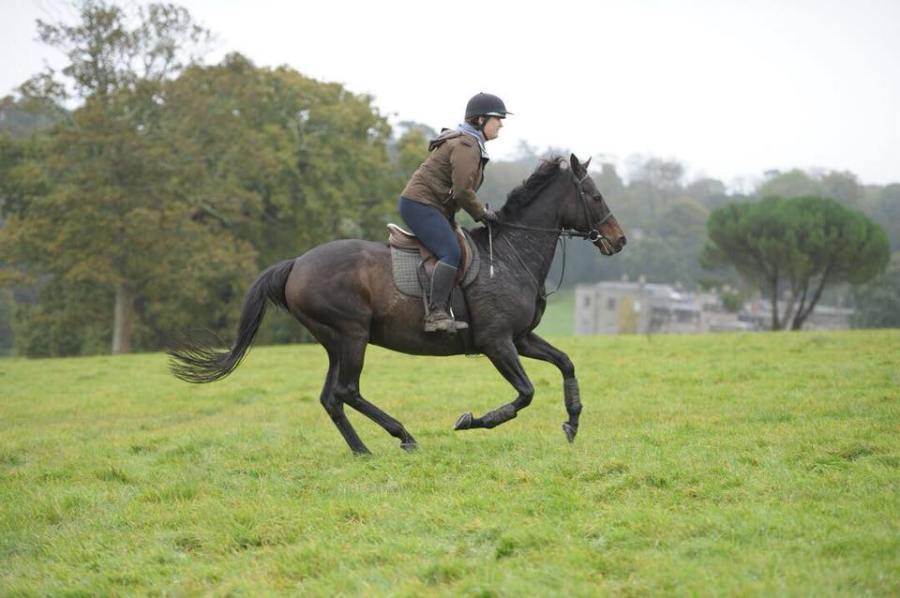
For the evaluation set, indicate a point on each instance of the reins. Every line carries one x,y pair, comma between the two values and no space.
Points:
515,252
593,235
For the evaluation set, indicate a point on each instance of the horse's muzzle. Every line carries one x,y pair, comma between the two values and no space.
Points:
608,247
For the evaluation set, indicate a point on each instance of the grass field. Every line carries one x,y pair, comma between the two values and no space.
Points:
559,317
731,464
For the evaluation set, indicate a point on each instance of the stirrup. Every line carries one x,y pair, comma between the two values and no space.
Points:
443,324
449,326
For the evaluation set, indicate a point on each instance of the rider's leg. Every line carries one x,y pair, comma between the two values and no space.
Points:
438,317
434,231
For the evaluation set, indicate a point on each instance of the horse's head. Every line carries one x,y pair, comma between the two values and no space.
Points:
585,210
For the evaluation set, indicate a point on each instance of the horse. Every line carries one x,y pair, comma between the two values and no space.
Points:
343,292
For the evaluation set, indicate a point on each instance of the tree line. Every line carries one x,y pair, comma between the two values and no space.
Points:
150,206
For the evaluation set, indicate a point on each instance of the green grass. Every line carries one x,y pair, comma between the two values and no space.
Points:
732,464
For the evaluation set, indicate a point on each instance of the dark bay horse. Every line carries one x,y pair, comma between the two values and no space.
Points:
343,292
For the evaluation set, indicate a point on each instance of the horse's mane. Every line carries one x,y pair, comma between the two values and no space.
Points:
524,194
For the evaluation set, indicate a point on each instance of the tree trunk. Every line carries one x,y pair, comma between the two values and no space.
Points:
776,325
798,315
124,315
801,316
789,309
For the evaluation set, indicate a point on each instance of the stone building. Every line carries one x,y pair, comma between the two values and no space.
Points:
649,308
635,308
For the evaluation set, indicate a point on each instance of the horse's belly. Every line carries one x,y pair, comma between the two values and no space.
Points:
398,325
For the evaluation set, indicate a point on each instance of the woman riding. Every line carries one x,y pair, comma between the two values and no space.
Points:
445,182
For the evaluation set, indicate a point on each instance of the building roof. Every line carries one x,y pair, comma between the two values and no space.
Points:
663,291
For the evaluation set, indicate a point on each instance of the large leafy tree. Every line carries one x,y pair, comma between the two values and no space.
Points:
104,212
170,185
283,161
794,248
280,160
107,214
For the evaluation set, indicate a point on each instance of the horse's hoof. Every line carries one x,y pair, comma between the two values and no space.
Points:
409,447
464,422
570,431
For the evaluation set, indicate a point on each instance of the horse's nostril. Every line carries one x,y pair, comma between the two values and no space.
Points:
624,240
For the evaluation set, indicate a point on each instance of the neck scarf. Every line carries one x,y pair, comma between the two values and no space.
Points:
467,129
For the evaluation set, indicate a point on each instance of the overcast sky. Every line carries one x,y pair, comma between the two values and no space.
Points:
731,88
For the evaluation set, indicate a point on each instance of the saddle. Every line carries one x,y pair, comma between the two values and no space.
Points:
412,265
407,250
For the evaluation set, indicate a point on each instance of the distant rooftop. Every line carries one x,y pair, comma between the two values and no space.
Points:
663,291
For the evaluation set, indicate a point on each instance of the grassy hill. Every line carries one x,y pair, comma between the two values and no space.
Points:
731,464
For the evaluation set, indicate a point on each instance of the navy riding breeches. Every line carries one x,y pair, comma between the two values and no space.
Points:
433,229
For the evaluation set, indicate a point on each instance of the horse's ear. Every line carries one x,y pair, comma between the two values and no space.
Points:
588,163
576,165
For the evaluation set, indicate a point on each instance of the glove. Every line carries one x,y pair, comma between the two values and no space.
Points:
489,216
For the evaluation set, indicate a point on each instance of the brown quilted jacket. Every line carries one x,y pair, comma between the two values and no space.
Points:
450,176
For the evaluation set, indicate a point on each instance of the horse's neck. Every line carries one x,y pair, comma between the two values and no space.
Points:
536,248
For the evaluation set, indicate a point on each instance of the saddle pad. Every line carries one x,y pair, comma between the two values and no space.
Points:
406,264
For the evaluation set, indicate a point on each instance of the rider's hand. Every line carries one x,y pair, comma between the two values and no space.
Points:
489,216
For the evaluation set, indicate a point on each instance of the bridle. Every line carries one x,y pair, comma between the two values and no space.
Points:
593,235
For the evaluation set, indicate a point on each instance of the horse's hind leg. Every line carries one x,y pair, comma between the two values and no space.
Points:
506,360
391,425
331,400
347,390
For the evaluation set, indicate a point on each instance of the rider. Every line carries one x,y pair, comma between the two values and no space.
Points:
445,182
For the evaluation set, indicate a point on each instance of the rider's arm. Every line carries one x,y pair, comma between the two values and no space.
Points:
465,160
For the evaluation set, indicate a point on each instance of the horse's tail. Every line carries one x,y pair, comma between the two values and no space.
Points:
197,362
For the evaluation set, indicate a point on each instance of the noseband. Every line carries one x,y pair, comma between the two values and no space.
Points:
593,235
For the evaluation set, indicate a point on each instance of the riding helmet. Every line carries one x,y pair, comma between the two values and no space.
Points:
485,104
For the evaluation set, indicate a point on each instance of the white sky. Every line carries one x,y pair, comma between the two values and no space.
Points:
731,88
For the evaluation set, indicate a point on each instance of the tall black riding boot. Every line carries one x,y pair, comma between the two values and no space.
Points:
438,318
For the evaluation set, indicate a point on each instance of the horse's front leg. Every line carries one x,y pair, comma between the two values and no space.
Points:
533,346
506,360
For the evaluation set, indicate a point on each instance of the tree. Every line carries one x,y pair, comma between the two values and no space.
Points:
108,216
661,174
6,334
712,193
22,117
843,186
113,224
179,189
411,149
795,247
878,302
685,219
608,181
886,211
282,161
794,183
654,183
